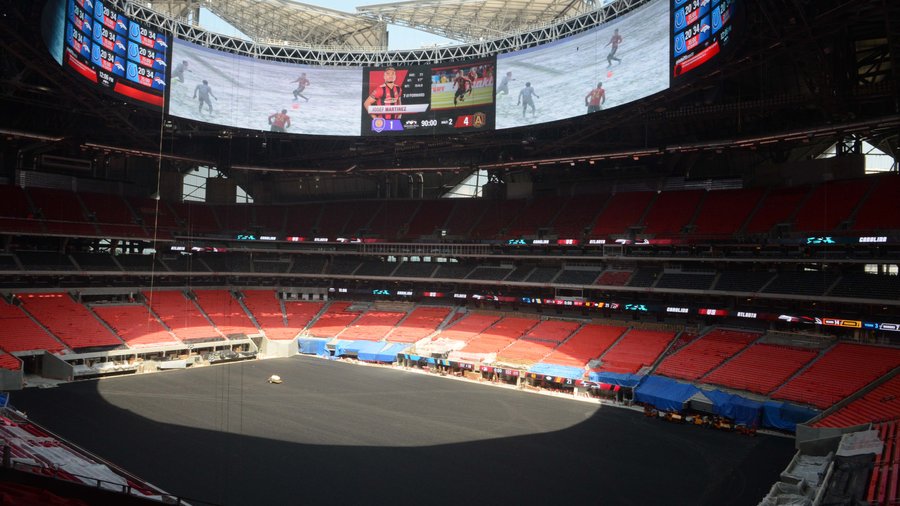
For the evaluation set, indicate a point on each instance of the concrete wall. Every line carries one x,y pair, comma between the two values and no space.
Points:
57,368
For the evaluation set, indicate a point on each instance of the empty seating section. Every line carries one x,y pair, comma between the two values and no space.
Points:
830,204
841,371
741,281
879,212
266,309
644,278
184,263
452,270
883,484
777,207
463,217
588,343
308,265
362,214
45,261
334,217
392,216
155,214
21,333
95,262
537,213
181,315
469,326
489,273
415,270
112,214
303,219
9,362
877,405
228,262
724,212
300,313
270,219
197,218
376,268
577,214
421,322
499,336
372,326
552,331
342,266
577,277
672,212
637,349
761,368
335,319
135,325
140,263
685,281
236,218
520,273
57,205
801,283
624,210
497,216
868,286
68,320
705,354
523,353
431,217
542,275
225,312
614,278
15,213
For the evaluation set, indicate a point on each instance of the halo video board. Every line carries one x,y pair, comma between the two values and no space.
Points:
119,54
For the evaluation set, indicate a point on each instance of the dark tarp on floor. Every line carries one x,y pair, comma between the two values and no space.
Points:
312,346
741,410
785,416
615,378
558,371
664,394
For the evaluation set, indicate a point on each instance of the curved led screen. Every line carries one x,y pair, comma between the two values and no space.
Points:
632,56
613,64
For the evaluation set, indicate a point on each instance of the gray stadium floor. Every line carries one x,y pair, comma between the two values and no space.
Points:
336,433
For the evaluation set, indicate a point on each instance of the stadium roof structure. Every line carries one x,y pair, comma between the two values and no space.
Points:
285,22
474,20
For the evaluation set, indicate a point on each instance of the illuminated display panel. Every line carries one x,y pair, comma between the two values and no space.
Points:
119,54
457,97
245,92
701,31
563,73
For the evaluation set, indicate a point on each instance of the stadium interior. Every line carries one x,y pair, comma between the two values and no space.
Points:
722,254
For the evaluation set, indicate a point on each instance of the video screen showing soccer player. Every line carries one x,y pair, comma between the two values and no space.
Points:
618,62
239,91
411,100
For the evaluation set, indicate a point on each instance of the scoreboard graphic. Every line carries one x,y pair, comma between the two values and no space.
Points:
422,99
701,29
116,53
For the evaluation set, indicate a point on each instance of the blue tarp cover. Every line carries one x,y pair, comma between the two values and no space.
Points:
663,393
558,371
362,349
312,346
388,354
615,378
741,410
784,416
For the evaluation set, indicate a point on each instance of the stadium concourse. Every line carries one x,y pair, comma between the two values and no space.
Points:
616,252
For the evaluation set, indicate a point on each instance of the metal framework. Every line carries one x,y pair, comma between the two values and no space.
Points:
314,54
282,21
474,21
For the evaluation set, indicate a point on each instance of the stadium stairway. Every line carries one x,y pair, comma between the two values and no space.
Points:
742,229
803,369
834,411
239,297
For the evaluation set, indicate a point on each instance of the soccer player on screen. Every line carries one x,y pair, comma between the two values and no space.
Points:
179,71
595,98
388,93
279,121
525,99
614,42
462,84
472,76
205,92
503,87
302,83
